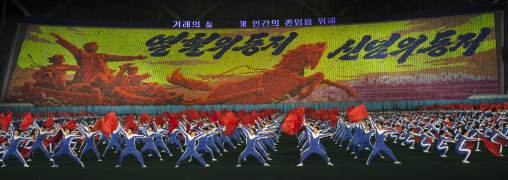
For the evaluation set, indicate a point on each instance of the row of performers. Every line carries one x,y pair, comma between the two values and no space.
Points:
467,129
199,138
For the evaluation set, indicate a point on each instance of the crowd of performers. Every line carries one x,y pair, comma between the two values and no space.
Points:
467,129
195,139
202,138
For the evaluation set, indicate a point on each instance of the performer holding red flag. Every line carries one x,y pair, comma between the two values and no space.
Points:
461,148
440,146
114,142
65,142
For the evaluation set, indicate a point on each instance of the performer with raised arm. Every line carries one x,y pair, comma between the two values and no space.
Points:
114,142
380,144
366,141
89,142
190,141
130,139
315,144
14,140
149,142
250,146
66,148
38,144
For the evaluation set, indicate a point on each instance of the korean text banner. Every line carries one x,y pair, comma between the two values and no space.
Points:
421,59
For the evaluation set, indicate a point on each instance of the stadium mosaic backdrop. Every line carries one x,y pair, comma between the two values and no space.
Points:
421,59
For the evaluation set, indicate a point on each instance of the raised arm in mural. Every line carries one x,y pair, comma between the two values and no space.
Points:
53,76
91,63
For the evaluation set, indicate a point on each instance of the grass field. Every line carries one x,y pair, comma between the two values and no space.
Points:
415,165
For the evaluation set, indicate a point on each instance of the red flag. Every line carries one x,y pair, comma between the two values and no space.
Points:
350,108
231,123
493,147
6,121
292,123
358,113
27,121
25,152
470,144
254,114
98,125
220,117
166,114
130,123
333,120
80,113
71,125
58,136
144,117
49,122
160,120
2,116
110,124
334,111
213,117
325,117
172,124
194,116
202,114
248,119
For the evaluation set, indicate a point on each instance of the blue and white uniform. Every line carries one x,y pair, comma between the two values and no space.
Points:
131,147
380,144
39,143
315,145
250,147
190,151
114,142
461,148
89,143
66,149
13,148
